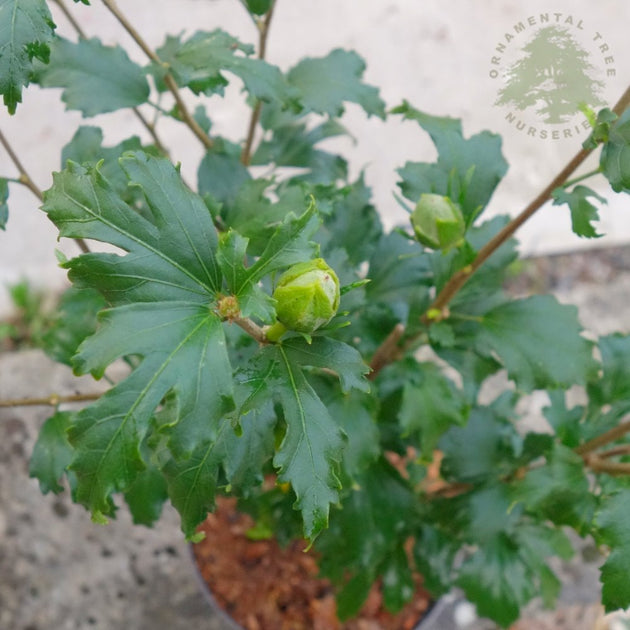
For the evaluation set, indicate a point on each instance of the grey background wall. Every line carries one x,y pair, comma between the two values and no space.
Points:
436,54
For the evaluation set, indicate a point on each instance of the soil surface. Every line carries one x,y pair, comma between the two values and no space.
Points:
265,587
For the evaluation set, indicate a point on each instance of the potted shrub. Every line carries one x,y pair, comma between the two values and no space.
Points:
271,328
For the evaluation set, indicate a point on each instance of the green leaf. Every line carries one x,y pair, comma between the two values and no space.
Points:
434,554
198,63
330,354
4,207
86,148
508,570
565,422
252,299
398,584
364,536
171,258
496,580
484,289
309,454
325,83
397,271
192,483
52,452
538,341
310,450
559,490
615,156
612,522
483,448
221,173
162,290
146,496
75,319
245,453
467,170
289,244
601,127
355,413
353,223
583,212
293,145
26,31
255,216
184,350
192,480
614,385
431,404
96,78
436,126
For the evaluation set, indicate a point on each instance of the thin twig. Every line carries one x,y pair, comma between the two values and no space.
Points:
252,329
605,438
26,180
24,177
168,78
386,351
616,451
49,401
150,127
263,33
599,465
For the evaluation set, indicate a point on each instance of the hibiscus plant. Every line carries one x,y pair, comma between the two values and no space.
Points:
271,329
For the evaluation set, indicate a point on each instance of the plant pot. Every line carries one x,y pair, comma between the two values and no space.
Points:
256,585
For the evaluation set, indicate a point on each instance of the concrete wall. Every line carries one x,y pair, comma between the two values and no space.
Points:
436,54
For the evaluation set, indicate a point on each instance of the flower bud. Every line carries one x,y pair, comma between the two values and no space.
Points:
307,296
437,222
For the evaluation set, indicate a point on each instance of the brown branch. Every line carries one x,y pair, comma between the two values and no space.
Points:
168,78
616,451
598,465
263,33
49,401
150,127
25,180
252,329
24,177
387,352
605,438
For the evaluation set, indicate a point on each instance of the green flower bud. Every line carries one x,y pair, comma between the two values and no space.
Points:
437,222
307,296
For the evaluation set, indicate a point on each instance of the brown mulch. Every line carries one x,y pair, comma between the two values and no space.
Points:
265,587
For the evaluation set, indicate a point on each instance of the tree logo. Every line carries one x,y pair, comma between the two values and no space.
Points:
549,76
553,76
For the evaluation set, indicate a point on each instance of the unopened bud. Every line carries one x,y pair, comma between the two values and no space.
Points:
437,222
307,296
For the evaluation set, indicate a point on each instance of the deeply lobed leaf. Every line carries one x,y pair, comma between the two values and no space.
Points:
96,78
161,291
26,32
467,170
